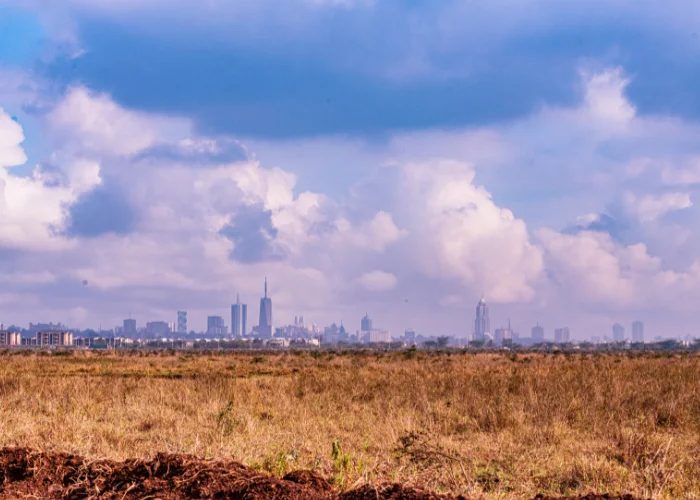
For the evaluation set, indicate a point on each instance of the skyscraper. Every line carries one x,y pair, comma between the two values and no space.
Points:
537,333
366,324
182,322
637,331
129,327
265,323
618,332
482,323
562,335
216,325
238,318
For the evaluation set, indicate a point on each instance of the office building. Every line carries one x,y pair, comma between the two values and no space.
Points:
379,336
129,328
366,324
537,333
637,331
265,322
182,322
155,329
54,338
482,323
503,335
618,332
216,326
10,338
410,336
239,320
561,335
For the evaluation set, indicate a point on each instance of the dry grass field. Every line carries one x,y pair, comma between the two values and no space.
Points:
483,425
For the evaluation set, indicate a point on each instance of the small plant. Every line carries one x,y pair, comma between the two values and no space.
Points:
490,477
342,462
226,421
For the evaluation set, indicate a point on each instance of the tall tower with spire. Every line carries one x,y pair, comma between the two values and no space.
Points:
482,323
239,318
265,323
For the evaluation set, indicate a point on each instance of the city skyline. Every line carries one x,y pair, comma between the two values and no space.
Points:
216,325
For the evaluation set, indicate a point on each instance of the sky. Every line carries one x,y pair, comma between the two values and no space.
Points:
396,158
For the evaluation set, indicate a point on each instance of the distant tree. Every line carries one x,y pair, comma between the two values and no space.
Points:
430,344
443,341
477,344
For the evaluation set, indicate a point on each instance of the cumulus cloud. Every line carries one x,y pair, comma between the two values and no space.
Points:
92,123
650,207
463,234
604,96
31,210
126,203
11,138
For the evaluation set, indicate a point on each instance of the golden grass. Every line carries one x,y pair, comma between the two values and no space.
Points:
485,425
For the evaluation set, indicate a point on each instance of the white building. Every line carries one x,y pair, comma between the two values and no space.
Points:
379,336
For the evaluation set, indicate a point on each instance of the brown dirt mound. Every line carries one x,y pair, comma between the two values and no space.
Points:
590,496
26,473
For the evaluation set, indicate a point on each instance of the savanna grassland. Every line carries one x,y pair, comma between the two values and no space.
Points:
483,425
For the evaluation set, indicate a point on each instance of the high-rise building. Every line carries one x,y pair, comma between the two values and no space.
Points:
637,331
366,324
410,336
182,322
537,333
265,322
216,325
238,318
129,327
156,329
503,335
562,335
482,323
618,332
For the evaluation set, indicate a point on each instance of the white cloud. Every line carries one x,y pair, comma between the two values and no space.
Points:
462,233
686,171
604,97
11,138
31,213
377,281
649,207
592,269
92,123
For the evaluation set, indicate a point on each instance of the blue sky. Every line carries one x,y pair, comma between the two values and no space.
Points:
365,151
